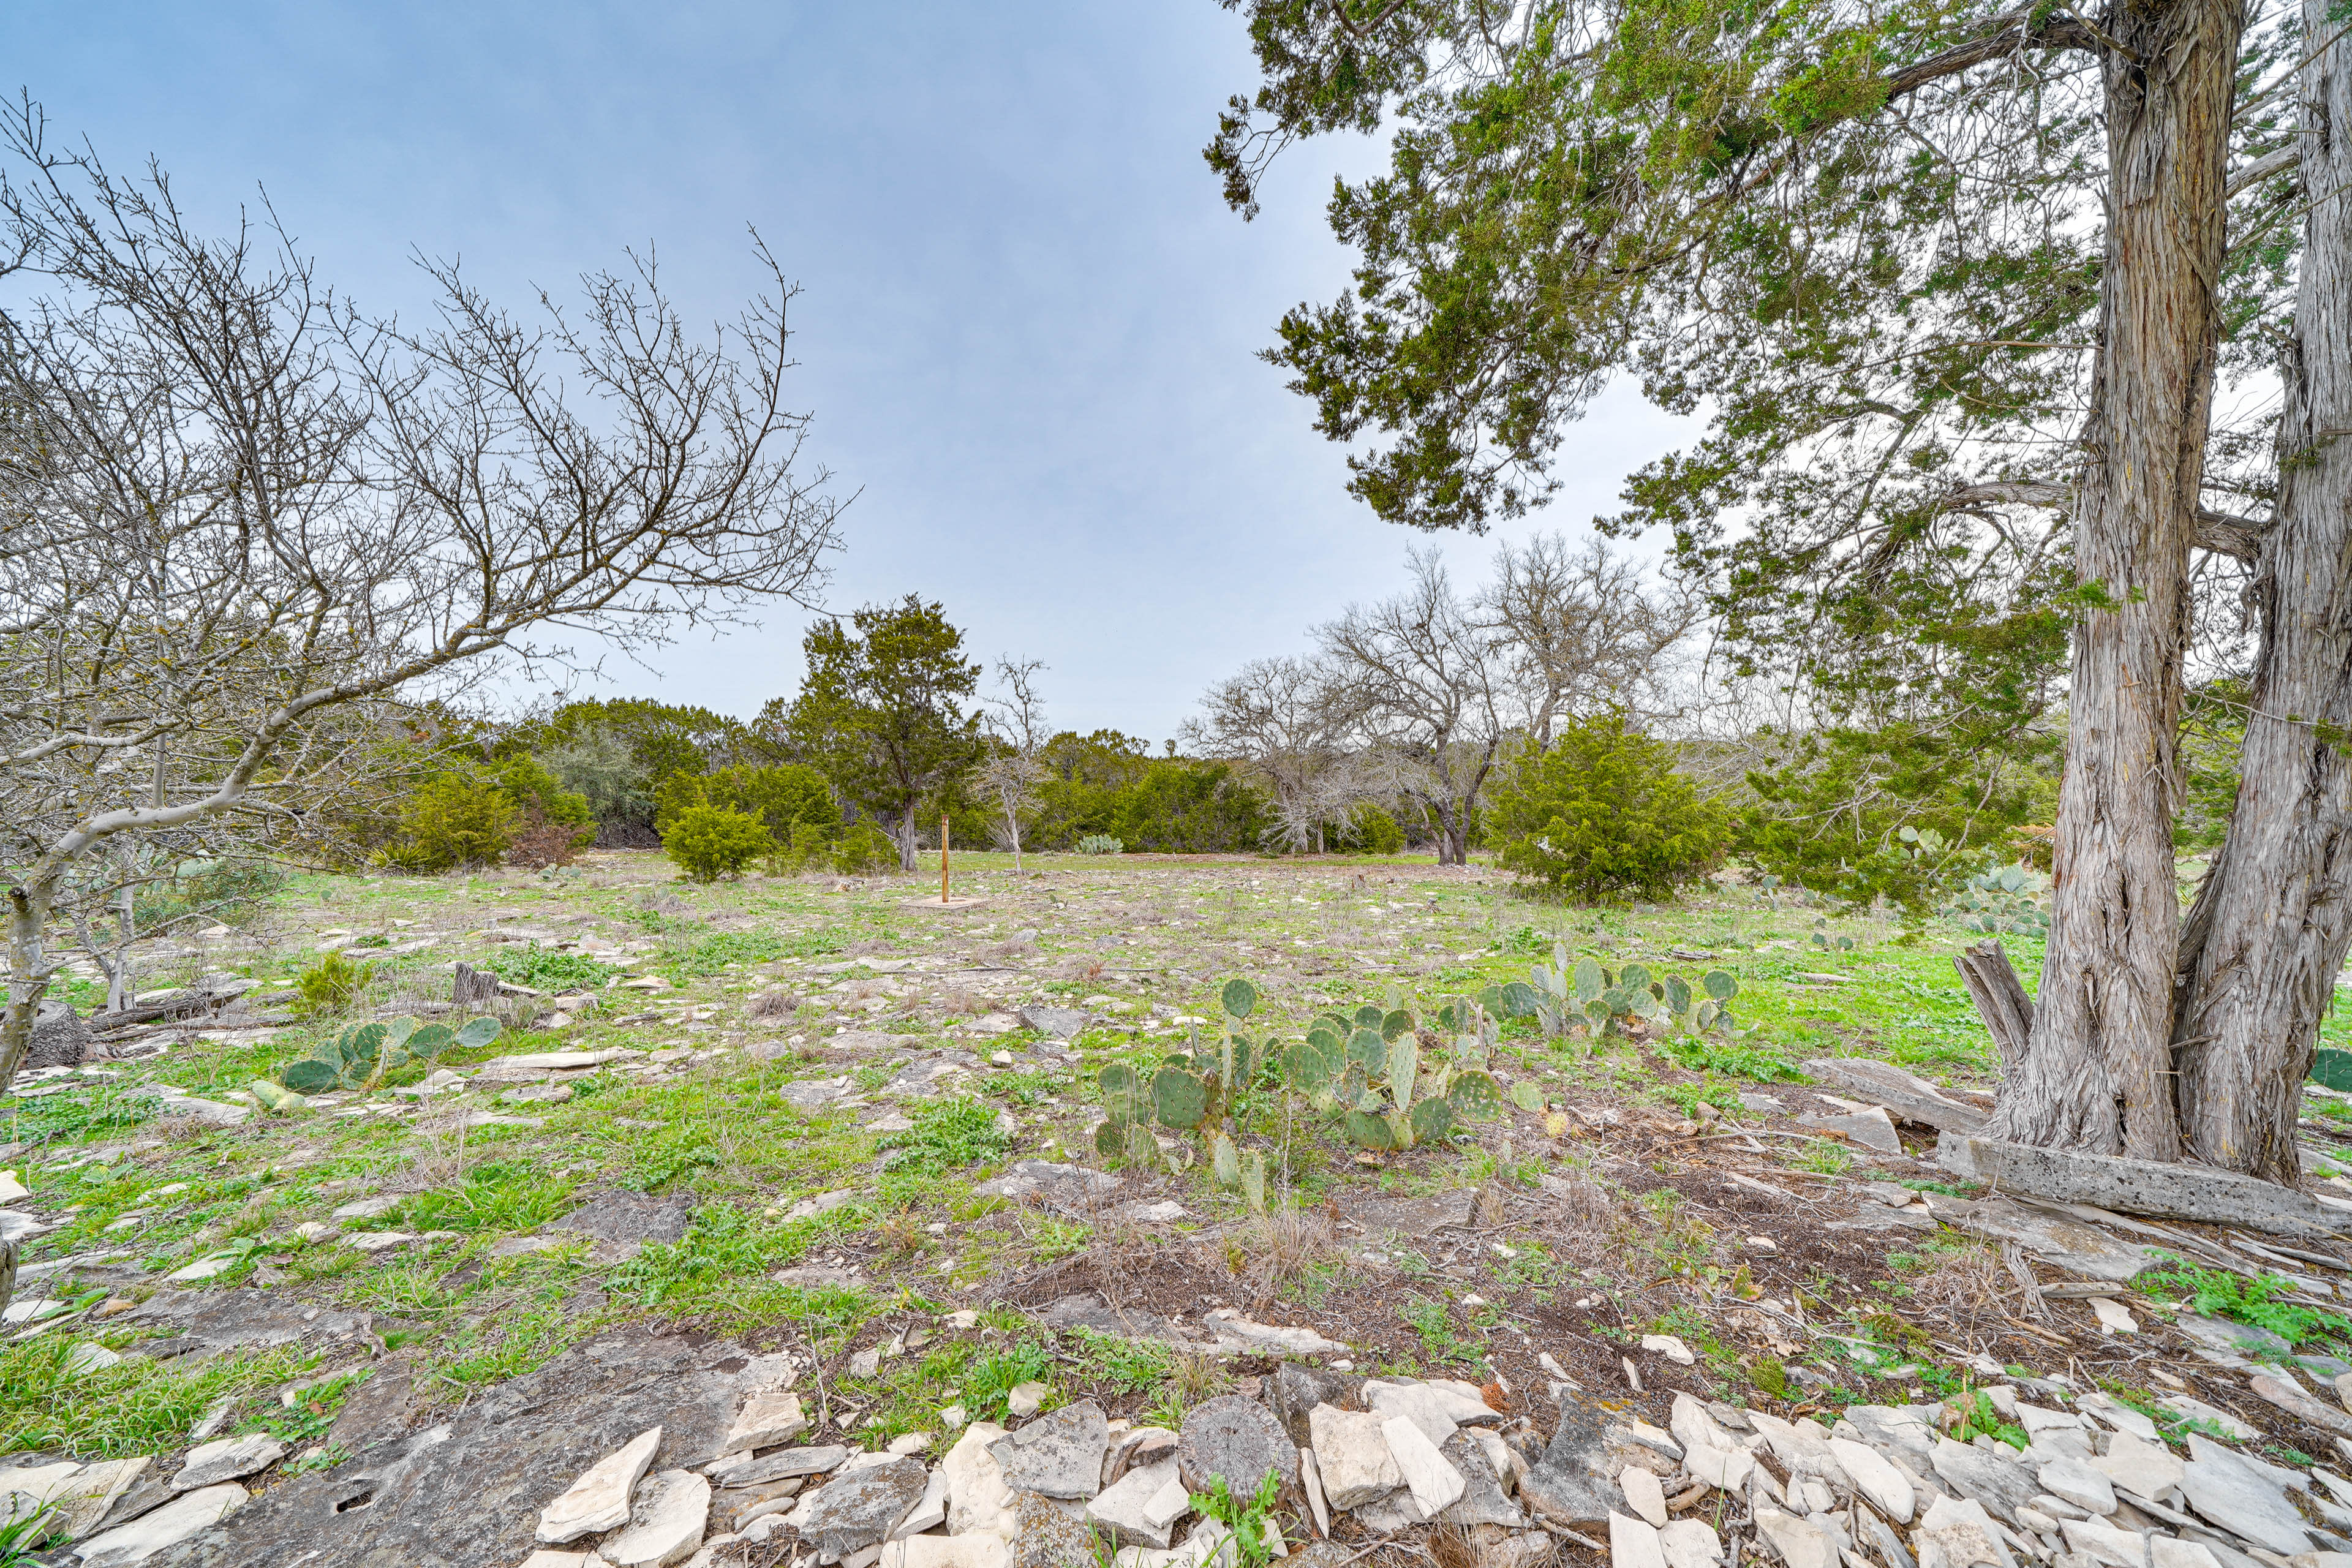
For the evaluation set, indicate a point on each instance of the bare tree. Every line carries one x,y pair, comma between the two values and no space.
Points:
1017,720
1288,722
238,518
1432,684
1583,631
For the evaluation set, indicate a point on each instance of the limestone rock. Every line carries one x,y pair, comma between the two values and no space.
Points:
666,1523
1572,1486
1487,1475
2079,1484
599,1501
2002,1486
1690,1543
1059,1456
1673,1349
169,1525
1801,1542
1023,1400
978,1549
2136,1465
1634,1545
768,1418
978,1498
1425,1408
1296,1388
1237,1439
1888,1489
931,1512
1644,1495
1050,1182
229,1460
859,1509
1310,1481
1051,1532
1958,1532
1351,1453
1142,1507
740,1468
1434,1482
2225,1487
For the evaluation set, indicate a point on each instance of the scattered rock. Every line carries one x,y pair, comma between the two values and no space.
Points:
860,1508
1237,1439
599,1501
1056,1023
1571,1484
810,1095
2144,1468
768,1418
978,1498
1801,1542
979,1550
1634,1543
1484,1463
1998,1484
1644,1495
1434,1482
231,1458
2224,1486
666,1523
1296,1388
1876,1477
1352,1452
1872,1128
741,1469
1057,1455
1236,1335
1047,1182
167,1526
1142,1507
1673,1349
1957,1532
1690,1543
2079,1484
1023,1400
1909,1098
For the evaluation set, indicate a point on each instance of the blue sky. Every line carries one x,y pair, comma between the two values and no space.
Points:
1028,319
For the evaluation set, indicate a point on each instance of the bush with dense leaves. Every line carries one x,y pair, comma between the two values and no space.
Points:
709,842
454,819
1602,815
864,848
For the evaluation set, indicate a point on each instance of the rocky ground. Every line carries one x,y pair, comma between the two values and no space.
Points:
772,1229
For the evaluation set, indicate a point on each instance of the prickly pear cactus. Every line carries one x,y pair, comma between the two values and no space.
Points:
366,1055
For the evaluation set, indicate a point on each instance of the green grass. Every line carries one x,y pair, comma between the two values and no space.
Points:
137,1406
2218,1293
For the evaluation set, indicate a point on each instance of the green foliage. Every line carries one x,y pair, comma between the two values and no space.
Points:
1200,1091
1108,785
781,797
1367,1070
1371,831
709,842
2212,738
1978,1419
1246,1516
2218,1293
1602,814
527,782
1589,999
546,969
714,952
988,1382
365,1055
214,889
864,850
2332,1069
617,752
454,819
1100,844
947,1135
140,1405
333,983
880,714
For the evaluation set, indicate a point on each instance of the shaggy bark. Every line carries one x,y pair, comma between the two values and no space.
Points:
2272,923
2097,1073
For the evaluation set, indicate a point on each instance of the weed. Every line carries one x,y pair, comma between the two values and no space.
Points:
2218,1293
312,1412
76,1116
519,1342
713,953
333,983
493,1197
1433,1321
1129,1365
137,1406
666,1160
1247,1518
991,1378
20,1537
1824,1159
545,969
1977,1417
1705,1052
948,1134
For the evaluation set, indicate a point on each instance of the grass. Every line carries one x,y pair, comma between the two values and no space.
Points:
2219,1294
947,1134
139,1405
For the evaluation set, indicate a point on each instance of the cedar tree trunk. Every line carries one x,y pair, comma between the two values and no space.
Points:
2097,1075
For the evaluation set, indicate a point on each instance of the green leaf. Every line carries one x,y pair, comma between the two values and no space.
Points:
477,1032
1306,1065
1123,1094
1432,1120
1636,977
1519,999
1225,1161
1393,1024
311,1077
1591,979
2332,1069
1369,1015
1475,1094
1142,1147
1366,1047
431,1040
1678,993
1254,1180
1367,1131
1526,1095
1110,1138
1404,1066
395,1034
1721,985
1238,996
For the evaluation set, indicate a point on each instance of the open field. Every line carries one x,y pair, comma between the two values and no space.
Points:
812,1081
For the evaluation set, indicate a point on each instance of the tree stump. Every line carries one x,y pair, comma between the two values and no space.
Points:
475,987
2001,1000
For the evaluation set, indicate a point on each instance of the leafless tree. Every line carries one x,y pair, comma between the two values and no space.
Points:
1583,631
1017,721
1288,722
239,518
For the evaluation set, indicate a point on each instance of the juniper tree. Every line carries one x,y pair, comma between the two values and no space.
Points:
1953,287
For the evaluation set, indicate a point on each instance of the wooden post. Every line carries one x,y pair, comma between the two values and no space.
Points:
943,857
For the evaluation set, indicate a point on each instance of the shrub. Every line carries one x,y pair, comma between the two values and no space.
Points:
530,785
862,849
333,984
451,819
1373,832
709,842
781,797
1099,844
539,845
809,847
1602,814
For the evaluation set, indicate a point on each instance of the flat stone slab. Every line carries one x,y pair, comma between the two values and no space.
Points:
2140,1186
1058,1455
861,1508
469,1491
1051,1183
2072,1244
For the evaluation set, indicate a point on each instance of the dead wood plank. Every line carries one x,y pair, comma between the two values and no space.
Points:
2140,1186
1906,1097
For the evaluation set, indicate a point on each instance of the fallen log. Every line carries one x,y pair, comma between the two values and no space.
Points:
1906,1098
2140,1186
